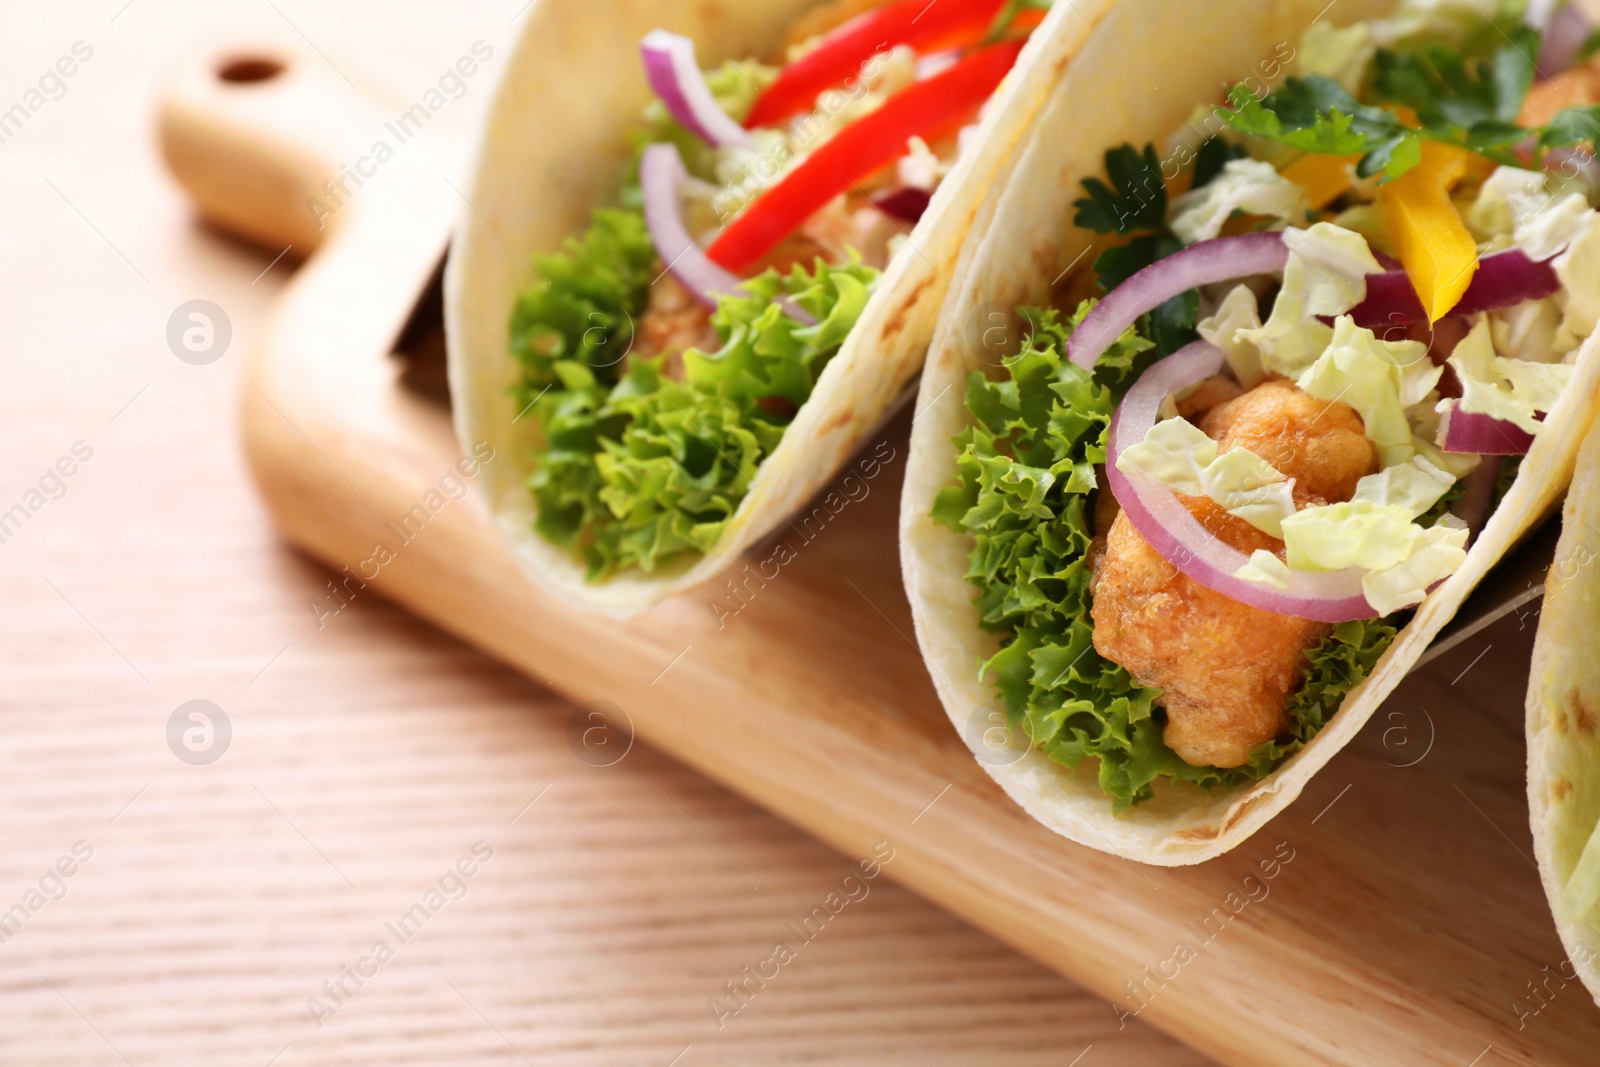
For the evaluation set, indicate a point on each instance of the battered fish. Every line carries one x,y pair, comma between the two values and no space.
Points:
673,322
1226,669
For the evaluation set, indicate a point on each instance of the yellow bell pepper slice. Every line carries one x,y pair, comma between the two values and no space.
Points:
1438,253
1324,178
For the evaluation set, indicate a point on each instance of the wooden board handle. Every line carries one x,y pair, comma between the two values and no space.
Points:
260,136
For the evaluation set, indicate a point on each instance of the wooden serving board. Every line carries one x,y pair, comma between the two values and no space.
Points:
1392,915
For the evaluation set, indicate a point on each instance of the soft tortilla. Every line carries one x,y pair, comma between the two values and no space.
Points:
552,149
1564,719
1107,98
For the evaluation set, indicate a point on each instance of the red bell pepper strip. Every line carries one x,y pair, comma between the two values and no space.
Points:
929,109
924,26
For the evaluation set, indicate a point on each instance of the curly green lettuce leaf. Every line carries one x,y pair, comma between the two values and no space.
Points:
1026,475
637,469
1337,665
583,309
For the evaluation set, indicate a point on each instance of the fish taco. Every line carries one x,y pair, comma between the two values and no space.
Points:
702,256
1249,379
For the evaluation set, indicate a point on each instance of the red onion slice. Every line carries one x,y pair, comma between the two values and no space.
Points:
1170,528
1503,279
1564,34
906,203
675,75
1470,431
661,174
1204,263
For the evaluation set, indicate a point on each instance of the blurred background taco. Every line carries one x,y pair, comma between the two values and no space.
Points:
701,257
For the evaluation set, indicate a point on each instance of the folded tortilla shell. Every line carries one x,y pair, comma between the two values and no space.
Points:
1563,725
553,148
1137,80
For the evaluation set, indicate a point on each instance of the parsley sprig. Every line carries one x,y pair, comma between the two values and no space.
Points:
1132,202
1468,102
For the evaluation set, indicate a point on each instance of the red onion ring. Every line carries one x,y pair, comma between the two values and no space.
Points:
661,173
1470,431
1170,528
675,75
1203,263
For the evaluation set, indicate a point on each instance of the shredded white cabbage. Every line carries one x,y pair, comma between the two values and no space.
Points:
1342,53
1530,330
1578,269
1507,194
1238,311
1249,487
1511,390
920,168
1356,533
1265,568
1379,379
1246,185
1550,228
1325,275
1415,486
1436,555
1177,454
1171,454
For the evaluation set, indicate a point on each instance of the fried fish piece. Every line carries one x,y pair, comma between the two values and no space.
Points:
1226,669
673,322
1574,87
1322,446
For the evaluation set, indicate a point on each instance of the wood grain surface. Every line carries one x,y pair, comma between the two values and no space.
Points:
368,755
1391,916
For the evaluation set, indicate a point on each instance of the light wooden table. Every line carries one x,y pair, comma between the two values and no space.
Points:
368,754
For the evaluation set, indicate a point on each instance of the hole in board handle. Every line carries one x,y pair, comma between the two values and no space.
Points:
247,70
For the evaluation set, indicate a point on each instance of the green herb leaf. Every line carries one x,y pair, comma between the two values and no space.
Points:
1591,45
584,309
1213,154
1448,90
1465,100
1313,114
1570,126
1135,201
